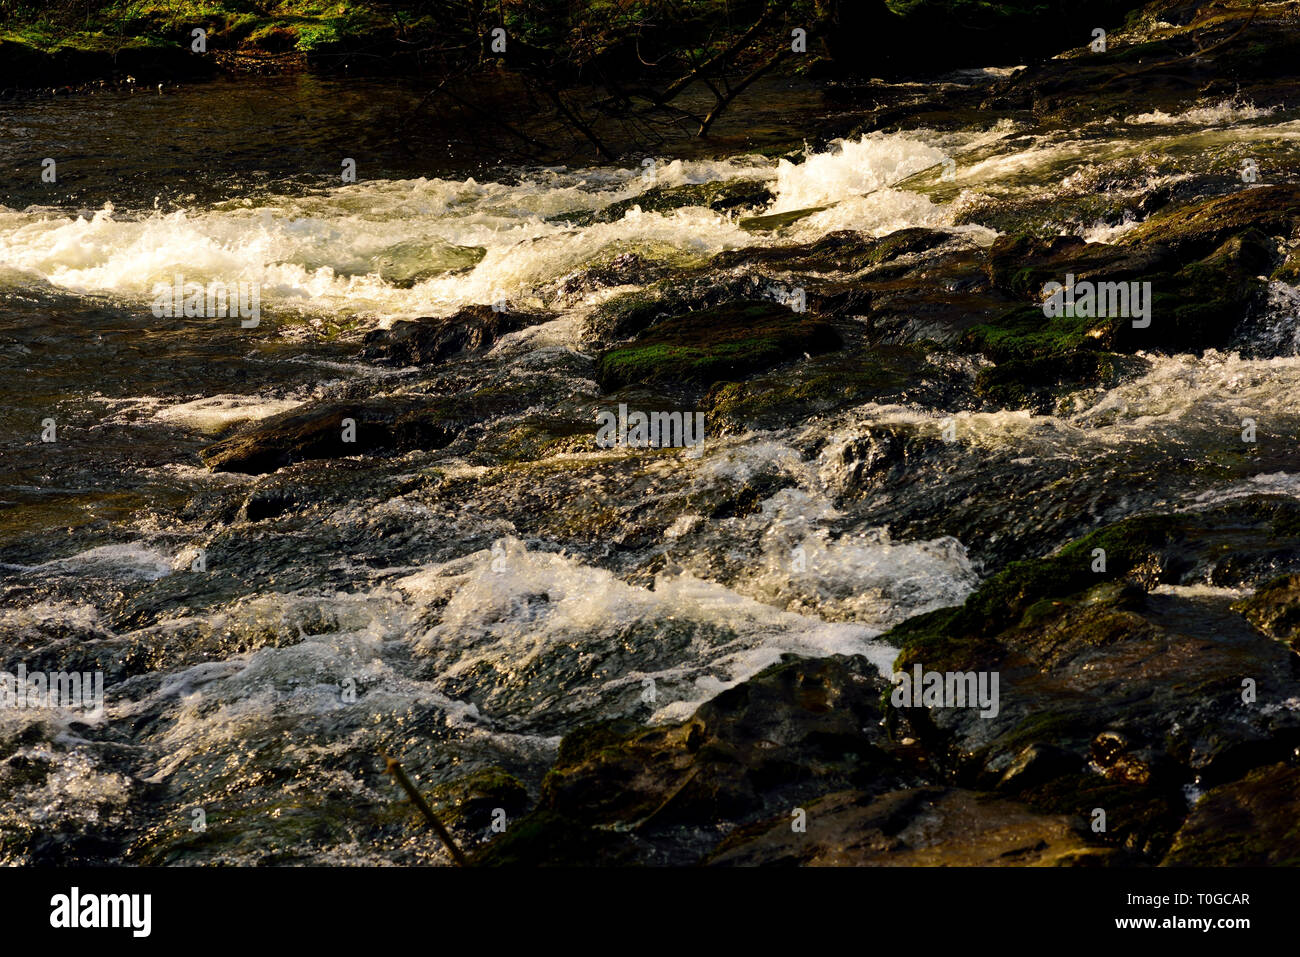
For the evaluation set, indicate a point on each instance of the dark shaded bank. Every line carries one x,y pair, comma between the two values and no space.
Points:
50,46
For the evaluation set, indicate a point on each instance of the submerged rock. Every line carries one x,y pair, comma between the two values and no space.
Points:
723,197
667,794
427,340
408,263
323,431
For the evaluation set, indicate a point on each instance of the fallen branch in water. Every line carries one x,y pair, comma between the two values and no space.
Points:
395,769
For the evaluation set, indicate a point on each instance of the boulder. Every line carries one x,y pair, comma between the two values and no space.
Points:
424,341
727,342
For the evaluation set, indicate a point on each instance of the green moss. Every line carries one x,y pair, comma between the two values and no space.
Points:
1025,333
1018,590
725,342
782,397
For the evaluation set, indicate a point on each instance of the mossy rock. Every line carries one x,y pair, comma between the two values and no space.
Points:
1275,609
1024,333
1037,383
1200,228
1193,306
881,373
727,342
1146,550
472,800
1251,822
385,424
630,314
725,196
666,794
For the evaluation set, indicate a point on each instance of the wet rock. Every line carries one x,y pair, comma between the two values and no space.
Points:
1142,687
267,503
1037,384
889,451
787,735
1198,229
1188,303
727,342
1251,822
1020,265
472,330
623,270
1275,609
841,251
632,313
921,827
936,301
1038,764
1163,59
727,196
318,432
869,374
472,802
535,438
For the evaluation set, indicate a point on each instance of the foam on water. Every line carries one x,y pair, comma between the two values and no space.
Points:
219,412
850,168
513,610
19,624
329,251
129,560
1213,114
1215,389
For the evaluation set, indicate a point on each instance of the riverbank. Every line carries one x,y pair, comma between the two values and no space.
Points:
155,42
47,48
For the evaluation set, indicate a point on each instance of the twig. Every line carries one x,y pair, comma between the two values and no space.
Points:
395,769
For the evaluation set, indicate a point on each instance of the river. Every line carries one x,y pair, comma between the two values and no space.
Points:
265,638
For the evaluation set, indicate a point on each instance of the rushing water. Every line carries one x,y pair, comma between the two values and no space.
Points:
453,607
